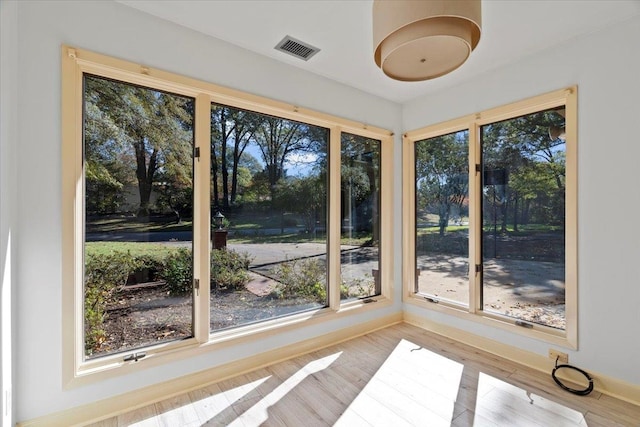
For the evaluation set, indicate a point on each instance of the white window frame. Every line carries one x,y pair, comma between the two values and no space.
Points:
75,63
564,97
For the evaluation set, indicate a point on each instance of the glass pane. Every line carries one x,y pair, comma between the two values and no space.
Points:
138,177
269,207
442,217
523,205
360,214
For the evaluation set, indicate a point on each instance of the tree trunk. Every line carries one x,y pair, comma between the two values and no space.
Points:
443,221
504,210
145,175
225,174
234,172
515,213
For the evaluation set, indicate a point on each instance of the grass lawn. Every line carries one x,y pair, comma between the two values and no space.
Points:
133,225
134,248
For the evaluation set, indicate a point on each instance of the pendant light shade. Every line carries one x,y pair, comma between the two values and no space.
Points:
423,39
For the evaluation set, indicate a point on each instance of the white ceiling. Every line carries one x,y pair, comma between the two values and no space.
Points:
511,29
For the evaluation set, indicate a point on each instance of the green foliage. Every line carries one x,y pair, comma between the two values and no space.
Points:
229,269
178,271
535,166
305,196
147,131
358,287
103,187
301,279
442,180
107,271
104,274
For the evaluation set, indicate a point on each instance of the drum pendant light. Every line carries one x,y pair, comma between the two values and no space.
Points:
418,40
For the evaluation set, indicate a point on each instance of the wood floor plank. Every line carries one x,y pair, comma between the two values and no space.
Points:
245,417
177,411
618,410
147,416
109,422
350,419
316,397
595,420
517,411
540,407
211,404
469,418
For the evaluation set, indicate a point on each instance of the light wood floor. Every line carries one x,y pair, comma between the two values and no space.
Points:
398,376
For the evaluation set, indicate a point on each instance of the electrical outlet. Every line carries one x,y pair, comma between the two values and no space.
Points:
560,356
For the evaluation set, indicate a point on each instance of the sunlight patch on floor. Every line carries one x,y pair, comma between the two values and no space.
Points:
429,382
259,412
499,402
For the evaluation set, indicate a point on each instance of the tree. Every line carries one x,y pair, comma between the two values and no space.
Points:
277,139
442,177
535,164
306,196
105,175
155,126
232,131
360,171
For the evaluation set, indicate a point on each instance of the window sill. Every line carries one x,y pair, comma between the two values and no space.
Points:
94,371
538,332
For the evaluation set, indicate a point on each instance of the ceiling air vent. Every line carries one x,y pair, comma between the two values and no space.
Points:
296,48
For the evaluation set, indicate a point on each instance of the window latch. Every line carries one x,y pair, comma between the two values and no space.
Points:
134,357
196,152
431,300
478,268
524,324
196,286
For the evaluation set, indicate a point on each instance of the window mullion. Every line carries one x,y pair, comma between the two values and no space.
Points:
475,220
201,220
333,251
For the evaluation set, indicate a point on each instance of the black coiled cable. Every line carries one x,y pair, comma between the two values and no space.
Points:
582,392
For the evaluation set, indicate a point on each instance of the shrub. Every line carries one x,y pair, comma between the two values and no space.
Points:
178,271
229,268
358,287
104,274
150,266
304,279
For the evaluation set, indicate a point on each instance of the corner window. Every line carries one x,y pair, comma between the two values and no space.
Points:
494,229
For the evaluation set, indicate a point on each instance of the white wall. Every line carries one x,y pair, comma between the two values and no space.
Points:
113,29
8,133
606,67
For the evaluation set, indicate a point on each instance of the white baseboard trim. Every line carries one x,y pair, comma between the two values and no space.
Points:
606,385
113,406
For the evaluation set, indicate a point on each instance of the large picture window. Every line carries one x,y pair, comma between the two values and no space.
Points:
493,230
138,204
194,215
269,178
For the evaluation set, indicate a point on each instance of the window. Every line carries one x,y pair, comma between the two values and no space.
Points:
360,207
493,230
269,179
195,215
442,217
138,180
